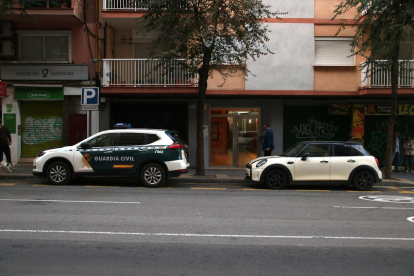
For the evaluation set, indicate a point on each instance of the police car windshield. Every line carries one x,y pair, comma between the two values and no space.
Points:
293,151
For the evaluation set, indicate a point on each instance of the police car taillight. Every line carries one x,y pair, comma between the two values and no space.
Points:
176,146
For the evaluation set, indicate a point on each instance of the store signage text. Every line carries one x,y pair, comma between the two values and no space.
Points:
39,95
44,72
403,109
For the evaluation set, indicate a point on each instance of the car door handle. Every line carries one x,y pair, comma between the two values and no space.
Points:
143,150
108,152
324,161
351,161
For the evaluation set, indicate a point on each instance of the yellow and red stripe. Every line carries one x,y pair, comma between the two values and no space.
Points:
123,166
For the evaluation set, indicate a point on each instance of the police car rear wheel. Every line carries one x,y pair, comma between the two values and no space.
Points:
58,173
153,175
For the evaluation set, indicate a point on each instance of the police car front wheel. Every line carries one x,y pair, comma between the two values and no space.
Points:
58,173
152,175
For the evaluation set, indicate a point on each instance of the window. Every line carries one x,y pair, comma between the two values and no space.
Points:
131,139
333,52
104,140
45,46
360,151
342,150
319,150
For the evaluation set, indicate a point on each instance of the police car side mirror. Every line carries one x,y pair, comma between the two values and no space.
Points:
305,156
85,145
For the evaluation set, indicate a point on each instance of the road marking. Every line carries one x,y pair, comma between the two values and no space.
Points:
196,188
258,189
88,186
389,208
42,185
202,235
7,184
352,191
313,190
393,188
406,192
410,219
387,198
67,201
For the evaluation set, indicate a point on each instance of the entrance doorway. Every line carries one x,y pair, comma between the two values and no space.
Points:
233,136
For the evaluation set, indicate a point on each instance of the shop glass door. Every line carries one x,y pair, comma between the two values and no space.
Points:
233,137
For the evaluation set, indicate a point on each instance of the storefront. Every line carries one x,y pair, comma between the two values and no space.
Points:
41,118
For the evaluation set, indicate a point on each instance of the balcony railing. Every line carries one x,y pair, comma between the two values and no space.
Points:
124,4
146,72
378,76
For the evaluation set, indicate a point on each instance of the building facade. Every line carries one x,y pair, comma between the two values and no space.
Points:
311,88
45,66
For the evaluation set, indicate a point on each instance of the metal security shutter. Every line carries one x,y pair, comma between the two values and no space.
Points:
333,52
41,126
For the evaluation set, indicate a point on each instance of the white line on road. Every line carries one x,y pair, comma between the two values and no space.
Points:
391,208
66,201
202,235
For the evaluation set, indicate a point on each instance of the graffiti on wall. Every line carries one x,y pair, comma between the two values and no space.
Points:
42,130
315,129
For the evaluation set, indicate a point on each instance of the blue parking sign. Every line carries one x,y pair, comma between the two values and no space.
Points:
90,96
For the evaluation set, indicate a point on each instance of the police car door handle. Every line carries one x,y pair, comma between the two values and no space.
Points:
108,151
351,161
143,150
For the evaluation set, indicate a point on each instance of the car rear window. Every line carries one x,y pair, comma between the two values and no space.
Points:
359,150
342,150
177,139
151,138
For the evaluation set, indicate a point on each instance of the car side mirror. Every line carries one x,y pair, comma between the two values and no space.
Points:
305,156
85,145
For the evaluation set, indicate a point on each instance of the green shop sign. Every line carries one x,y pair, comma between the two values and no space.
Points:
38,93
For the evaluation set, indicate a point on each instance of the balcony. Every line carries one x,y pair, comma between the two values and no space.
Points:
129,5
381,77
146,72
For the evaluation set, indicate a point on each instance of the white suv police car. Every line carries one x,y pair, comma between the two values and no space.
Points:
316,162
150,155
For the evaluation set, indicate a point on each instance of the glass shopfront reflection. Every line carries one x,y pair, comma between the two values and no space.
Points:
233,136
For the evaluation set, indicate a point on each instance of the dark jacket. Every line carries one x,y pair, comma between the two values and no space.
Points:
268,140
394,143
5,137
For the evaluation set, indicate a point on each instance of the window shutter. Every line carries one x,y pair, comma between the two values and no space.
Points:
333,52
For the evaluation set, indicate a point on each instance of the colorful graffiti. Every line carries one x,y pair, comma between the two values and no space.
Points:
315,129
42,130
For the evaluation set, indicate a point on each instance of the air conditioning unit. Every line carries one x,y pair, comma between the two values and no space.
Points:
6,48
6,30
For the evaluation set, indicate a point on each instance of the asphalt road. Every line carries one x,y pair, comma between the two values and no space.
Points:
115,228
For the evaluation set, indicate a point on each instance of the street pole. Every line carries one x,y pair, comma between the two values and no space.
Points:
93,61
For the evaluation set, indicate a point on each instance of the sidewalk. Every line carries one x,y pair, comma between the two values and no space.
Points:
23,170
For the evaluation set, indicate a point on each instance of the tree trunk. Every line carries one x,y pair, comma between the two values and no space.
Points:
202,88
390,131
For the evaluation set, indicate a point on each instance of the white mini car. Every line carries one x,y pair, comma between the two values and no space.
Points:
316,162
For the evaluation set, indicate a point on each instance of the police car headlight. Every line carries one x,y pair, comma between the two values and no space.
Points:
261,163
41,153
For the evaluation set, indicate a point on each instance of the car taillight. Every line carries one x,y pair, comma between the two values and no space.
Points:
376,160
176,146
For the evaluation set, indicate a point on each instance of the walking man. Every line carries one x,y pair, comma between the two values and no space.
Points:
5,142
267,143
396,146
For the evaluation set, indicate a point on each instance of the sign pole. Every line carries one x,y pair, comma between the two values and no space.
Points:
90,85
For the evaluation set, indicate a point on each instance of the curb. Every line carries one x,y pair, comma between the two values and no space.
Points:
215,180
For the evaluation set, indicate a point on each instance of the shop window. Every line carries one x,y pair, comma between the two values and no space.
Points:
333,52
45,46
